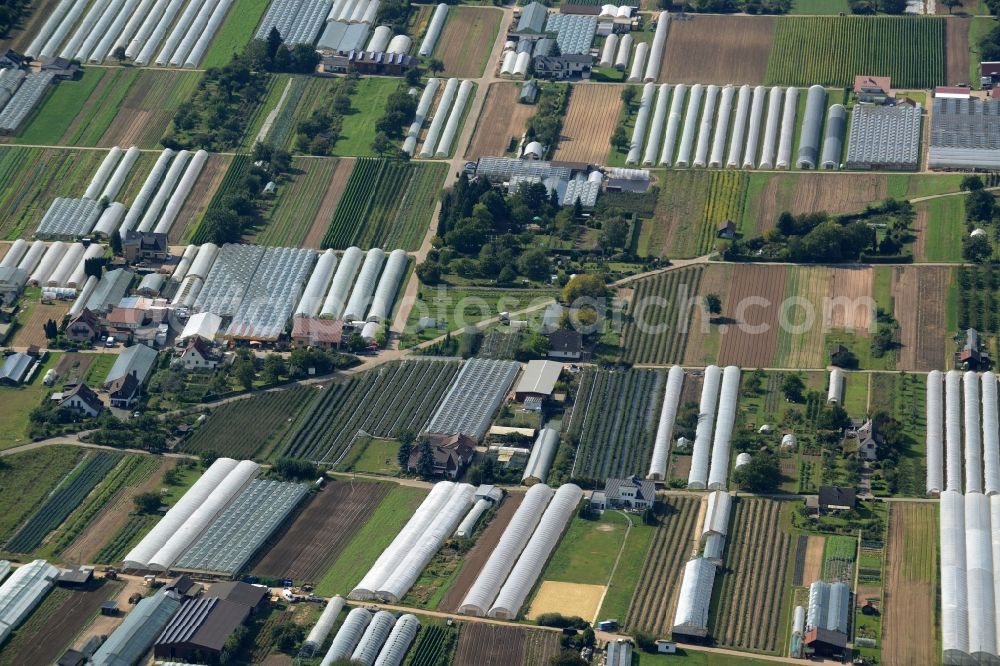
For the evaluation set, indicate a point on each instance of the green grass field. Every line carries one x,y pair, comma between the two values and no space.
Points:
587,552
369,541
828,7
236,32
98,117
372,456
28,478
367,106
61,106
17,405
99,368
629,569
945,229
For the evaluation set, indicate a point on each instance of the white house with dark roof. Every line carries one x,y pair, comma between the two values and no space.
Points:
630,493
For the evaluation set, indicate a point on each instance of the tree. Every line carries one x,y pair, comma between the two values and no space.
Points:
245,374
951,4
792,387
534,264
614,233
274,40
425,460
115,240
119,54
619,139
585,285
970,183
976,249
412,76
287,635
95,265
429,272
568,658
295,469
713,304
403,457
51,329
381,144
533,345
628,96
761,475
274,367
146,503
435,65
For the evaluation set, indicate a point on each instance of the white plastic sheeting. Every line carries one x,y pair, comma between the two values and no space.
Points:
374,637
690,126
203,262
336,298
468,524
665,427
88,50
973,442
78,277
312,297
753,127
348,635
147,191
694,598
479,599
49,262
785,142
110,219
521,64
163,193
214,23
536,553
72,49
728,400
361,296
608,52
641,121
705,130
507,65
638,62
835,391
180,194
105,47
114,185
722,127
34,49
673,124
833,141
399,640
770,146
953,430
184,264
739,127
379,39
433,30
317,635
29,262
202,516
717,513
423,107
22,592
935,430
81,300
205,11
454,119
155,32
812,125
979,577
542,453
656,125
440,116
656,50
14,253
139,557
742,459
954,593
180,28
991,436
624,48
103,173
698,475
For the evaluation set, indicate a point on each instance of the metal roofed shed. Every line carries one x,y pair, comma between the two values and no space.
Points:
136,634
538,378
201,627
476,393
532,19
884,137
137,361
111,288
965,134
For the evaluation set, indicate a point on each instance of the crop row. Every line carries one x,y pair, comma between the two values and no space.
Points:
434,646
657,327
63,501
727,191
240,429
500,344
383,403
125,538
618,445
652,605
749,612
831,50
238,169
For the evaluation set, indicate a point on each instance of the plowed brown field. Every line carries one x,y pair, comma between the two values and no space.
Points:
814,192
908,625
501,120
849,307
467,39
718,49
591,118
956,49
919,294
481,644
331,199
753,304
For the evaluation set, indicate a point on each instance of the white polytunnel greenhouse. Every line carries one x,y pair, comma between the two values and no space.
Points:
147,191
609,50
694,598
991,437
743,101
14,253
399,641
641,121
85,293
521,64
440,117
485,588
638,62
979,579
348,636
79,274
433,30
468,524
673,124
542,454
24,100
742,459
140,556
728,400
379,40
117,180
657,48
396,551
4,569
319,281
828,606
954,592
454,119
364,288
103,173
336,298
698,475
665,426
110,219
812,125
722,127
770,145
973,443
953,430
421,550
184,264
656,125
22,592
536,553
705,128
67,264
203,515
509,61
203,262
47,264
373,639
835,390
753,127
29,262
324,625
624,49
690,126
180,195
717,511
935,431
833,139
166,188
423,108
399,45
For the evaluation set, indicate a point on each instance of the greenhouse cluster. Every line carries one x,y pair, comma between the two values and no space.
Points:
722,126
965,134
474,397
884,138
398,567
513,567
379,639
22,592
716,412
300,21
665,426
447,118
247,523
137,26
574,32
22,100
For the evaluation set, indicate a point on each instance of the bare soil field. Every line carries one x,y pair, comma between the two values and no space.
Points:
501,119
328,206
467,39
919,295
753,304
702,348
849,305
476,558
814,559
73,365
148,108
592,116
956,49
31,331
482,644
718,49
204,189
908,626
920,231
567,598
813,192
314,540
